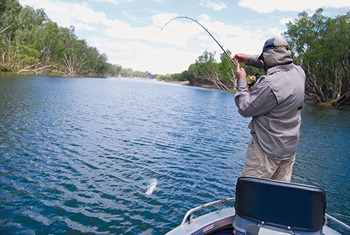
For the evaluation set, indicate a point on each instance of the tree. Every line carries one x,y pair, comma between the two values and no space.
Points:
8,25
47,41
205,71
31,43
227,70
321,46
28,22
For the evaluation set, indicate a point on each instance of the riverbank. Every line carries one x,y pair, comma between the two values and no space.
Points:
208,86
331,106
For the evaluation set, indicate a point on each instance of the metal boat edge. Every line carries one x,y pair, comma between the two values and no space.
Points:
211,222
207,223
221,221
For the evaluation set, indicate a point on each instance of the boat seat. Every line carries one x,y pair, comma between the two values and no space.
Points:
286,208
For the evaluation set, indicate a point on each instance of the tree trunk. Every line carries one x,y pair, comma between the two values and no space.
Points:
69,63
312,88
27,69
3,30
337,86
342,99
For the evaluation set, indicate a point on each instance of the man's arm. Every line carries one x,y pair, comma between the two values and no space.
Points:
256,103
252,60
255,61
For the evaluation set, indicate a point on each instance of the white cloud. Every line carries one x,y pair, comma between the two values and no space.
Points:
173,49
268,6
275,31
116,2
284,21
86,27
67,14
146,48
216,6
221,28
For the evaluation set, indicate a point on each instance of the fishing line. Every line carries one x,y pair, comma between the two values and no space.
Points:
189,18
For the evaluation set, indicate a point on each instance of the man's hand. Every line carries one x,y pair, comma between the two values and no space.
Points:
240,72
241,58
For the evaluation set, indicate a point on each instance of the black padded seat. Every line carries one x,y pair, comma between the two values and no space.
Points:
286,205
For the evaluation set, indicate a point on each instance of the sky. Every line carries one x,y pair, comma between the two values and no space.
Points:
129,31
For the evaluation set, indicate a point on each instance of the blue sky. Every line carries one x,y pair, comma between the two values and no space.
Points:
128,31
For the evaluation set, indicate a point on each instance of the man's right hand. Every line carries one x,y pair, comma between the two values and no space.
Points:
241,58
240,72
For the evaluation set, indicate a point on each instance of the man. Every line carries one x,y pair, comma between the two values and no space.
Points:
274,105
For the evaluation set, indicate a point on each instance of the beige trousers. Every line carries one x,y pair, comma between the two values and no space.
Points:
259,165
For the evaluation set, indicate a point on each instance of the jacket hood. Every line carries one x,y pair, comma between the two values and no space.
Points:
276,52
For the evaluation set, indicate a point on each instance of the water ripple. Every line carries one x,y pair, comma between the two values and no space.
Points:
77,154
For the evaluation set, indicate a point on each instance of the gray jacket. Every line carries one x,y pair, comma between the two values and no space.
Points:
274,105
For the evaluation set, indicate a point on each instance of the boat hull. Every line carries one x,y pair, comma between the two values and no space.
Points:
264,207
219,222
207,224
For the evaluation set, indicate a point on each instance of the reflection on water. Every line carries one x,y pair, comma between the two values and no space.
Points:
77,155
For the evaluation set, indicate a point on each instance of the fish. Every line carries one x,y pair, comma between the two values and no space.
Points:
152,185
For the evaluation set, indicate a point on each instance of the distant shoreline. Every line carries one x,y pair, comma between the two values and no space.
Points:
187,83
331,106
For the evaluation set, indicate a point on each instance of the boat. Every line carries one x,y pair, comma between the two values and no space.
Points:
264,207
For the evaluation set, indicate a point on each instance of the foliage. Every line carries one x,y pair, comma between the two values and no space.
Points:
31,43
206,71
321,46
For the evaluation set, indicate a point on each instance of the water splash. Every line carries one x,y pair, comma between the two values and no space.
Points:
152,185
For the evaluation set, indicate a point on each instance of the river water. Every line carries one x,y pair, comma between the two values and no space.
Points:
77,154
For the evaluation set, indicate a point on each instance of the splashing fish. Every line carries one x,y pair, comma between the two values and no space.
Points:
152,185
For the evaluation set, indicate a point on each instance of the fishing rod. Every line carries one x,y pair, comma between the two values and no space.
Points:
189,18
250,79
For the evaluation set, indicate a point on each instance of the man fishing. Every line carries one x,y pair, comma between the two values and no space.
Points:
275,107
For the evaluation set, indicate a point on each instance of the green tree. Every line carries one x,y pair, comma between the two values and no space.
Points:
47,41
202,70
28,21
31,42
8,27
206,71
321,46
226,67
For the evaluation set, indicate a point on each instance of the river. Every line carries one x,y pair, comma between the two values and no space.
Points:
76,154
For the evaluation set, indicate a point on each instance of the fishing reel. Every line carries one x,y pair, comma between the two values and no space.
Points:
251,80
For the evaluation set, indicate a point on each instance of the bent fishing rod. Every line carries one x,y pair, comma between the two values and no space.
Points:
189,18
